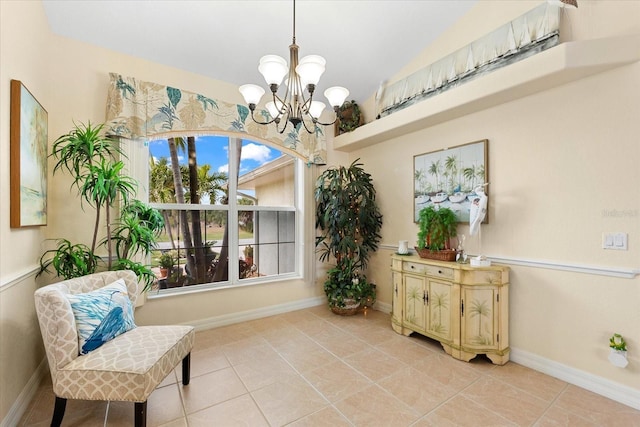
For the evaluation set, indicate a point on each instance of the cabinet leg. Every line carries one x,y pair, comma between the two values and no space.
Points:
401,330
498,359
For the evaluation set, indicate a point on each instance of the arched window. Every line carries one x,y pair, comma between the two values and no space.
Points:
231,208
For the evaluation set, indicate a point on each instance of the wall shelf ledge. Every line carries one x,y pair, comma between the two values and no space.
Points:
551,68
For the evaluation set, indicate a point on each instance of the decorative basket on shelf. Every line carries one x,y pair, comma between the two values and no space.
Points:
442,255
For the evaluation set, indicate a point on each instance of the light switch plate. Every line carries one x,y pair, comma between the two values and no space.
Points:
616,241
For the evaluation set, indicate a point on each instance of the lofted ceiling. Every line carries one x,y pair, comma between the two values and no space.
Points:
364,42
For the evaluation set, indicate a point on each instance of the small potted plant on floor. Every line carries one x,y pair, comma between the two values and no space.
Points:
166,263
437,225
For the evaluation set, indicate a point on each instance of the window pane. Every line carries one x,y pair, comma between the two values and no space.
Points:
196,239
211,154
271,251
192,251
266,175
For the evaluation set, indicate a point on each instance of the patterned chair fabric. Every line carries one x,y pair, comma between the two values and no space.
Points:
127,368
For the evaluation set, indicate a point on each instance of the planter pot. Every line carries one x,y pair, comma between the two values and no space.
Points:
443,255
351,307
618,358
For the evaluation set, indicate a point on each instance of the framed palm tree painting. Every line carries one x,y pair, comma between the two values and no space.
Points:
28,159
450,178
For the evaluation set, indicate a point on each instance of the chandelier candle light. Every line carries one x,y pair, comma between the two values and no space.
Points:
294,106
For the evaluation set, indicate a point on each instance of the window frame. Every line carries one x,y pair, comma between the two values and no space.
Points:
301,197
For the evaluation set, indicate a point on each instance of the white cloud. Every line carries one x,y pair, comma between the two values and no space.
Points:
259,153
224,168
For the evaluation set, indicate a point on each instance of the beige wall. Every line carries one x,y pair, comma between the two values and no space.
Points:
558,161
21,350
71,80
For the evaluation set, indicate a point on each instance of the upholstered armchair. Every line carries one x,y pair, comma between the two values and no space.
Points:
113,366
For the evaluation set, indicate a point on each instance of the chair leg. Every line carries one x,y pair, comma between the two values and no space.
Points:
140,414
58,411
186,369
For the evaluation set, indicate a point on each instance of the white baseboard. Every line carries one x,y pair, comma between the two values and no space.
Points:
383,307
243,316
612,390
21,404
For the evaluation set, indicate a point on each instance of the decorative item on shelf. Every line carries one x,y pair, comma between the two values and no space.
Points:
437,225
349,117
476,215
461,255
293,107
618,351
403,247
349,223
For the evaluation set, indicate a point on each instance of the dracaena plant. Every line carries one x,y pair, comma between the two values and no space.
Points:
97,174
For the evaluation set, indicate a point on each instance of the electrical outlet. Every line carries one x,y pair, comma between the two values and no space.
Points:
615,241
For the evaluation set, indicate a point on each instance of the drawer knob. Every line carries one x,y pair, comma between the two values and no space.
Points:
439,271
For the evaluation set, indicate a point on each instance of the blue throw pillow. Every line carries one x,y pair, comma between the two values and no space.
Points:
102,315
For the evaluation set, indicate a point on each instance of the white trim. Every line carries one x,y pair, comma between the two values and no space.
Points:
626,273
612,390
19,277
382,307
623,272
243,316
21,404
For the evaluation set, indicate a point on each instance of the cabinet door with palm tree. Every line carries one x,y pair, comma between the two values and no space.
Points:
479,324
439,299
415,302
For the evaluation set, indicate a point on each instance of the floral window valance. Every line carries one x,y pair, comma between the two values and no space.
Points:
138,109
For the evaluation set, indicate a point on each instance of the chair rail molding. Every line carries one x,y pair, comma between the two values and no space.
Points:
622,272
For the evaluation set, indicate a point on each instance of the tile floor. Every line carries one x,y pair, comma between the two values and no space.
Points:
313,368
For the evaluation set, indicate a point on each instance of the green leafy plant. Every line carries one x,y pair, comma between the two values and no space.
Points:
69,260
616,342
436,227
99,179
166,260
349,222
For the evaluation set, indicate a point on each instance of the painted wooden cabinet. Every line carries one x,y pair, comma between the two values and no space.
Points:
465,308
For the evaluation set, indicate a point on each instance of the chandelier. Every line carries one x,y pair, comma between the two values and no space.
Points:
301,76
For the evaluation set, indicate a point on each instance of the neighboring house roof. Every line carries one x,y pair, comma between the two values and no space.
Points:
265,174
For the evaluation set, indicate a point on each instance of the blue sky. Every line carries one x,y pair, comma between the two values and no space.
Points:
214,150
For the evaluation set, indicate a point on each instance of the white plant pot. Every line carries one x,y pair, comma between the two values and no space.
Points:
618,358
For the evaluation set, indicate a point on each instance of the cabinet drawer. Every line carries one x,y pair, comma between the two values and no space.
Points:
429,270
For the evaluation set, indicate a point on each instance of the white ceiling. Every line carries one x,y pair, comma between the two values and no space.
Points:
364,42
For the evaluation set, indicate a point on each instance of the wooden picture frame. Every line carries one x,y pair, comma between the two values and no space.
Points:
448,177
28,159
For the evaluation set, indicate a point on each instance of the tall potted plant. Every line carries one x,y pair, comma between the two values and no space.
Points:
349,222
90,158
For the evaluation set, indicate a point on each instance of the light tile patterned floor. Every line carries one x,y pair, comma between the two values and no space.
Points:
313,368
